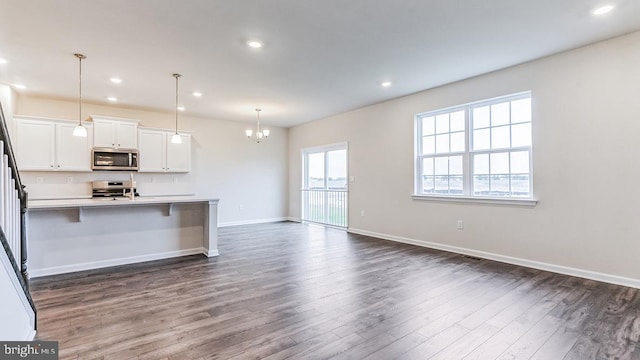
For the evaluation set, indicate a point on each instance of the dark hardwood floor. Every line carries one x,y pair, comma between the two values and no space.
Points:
293,291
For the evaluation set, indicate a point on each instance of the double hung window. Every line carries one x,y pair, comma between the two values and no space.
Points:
482,149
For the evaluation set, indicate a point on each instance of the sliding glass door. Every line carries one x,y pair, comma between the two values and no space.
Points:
324,189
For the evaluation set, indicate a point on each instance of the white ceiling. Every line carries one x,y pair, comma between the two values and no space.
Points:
319,57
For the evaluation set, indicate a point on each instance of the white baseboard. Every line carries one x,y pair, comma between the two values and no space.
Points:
252,222
293,219
586,274
112,262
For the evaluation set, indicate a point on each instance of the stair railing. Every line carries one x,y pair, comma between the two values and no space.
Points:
13,209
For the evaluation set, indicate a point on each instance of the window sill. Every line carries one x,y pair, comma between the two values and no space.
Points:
477,200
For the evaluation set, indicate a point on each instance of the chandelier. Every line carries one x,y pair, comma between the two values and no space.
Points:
259,135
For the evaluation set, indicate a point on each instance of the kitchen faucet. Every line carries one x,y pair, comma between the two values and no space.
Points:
131,191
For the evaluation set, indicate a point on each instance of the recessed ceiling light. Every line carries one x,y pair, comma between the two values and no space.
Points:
3,61
112,99
180,108
116,80
602,10
19,86
385,84
197,94
254,44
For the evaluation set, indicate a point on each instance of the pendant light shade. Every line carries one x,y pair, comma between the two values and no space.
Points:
80,130
176,138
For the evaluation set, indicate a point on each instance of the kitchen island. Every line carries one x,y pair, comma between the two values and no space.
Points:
68,235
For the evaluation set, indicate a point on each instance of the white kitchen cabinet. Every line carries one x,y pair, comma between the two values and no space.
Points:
114,132
152,153
35,145
158,154
179,155
49,145
73,153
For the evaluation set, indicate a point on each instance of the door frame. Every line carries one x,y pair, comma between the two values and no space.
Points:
344,145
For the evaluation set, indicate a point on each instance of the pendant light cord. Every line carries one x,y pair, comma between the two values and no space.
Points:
80,97
176,76
80,57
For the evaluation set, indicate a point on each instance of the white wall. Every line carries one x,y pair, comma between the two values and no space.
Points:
16,317
250,179
8,100
17,320
586,141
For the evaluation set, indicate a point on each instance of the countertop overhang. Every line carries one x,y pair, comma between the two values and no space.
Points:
142,200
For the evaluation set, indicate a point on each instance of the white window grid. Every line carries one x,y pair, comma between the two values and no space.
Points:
468,153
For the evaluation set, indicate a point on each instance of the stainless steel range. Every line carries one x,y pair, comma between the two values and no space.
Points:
114,189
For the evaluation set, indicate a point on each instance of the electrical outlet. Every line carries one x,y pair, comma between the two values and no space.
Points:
175,180
460,225
241,207
361,212
39,179
153,179
69,179
352,178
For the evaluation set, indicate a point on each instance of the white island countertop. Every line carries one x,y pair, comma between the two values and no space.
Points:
141,200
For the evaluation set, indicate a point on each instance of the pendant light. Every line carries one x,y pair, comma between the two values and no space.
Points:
80,130
259,134
176,138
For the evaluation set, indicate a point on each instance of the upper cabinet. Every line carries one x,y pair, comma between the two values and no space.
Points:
114,132
153,151
159,154
179,155
73,153
49,145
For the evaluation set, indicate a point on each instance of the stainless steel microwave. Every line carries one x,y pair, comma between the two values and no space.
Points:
114,159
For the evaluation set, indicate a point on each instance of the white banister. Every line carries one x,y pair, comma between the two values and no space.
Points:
12,216
9,206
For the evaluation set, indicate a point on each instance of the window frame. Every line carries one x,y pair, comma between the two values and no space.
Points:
468,154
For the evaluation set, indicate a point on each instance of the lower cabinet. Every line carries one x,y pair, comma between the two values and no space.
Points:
158,154
49,145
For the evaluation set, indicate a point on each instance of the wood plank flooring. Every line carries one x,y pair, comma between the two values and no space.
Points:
294,291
